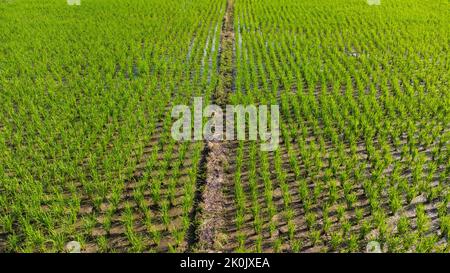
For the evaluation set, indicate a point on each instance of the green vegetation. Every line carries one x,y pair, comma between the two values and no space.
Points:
85,96
86,152
364,96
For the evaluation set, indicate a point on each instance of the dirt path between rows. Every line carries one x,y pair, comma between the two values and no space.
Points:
212,221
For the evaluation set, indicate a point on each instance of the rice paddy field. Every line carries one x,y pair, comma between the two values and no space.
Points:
87,155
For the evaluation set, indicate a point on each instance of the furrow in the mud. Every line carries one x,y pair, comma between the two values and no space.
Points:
211,220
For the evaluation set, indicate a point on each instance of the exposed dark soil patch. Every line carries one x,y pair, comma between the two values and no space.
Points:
3,238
